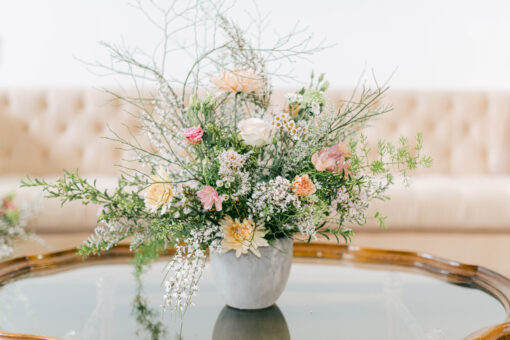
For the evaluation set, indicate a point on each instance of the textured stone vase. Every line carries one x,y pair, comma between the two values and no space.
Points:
250,282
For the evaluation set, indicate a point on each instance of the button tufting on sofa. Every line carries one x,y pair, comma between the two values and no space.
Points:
79,104
4,102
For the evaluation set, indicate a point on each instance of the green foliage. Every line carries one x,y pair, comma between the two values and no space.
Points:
12,216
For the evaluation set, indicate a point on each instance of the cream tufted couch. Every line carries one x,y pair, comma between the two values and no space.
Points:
468,188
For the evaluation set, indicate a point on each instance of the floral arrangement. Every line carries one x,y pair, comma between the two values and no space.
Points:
13,224
225,170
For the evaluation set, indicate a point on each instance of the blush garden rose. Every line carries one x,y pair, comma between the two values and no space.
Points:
254,131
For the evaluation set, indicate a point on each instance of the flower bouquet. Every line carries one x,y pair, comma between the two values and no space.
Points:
13,224
226,172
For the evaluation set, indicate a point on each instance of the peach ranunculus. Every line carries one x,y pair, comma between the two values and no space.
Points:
242,236
239,80
159,193
209,197
194,134
303,186
333,159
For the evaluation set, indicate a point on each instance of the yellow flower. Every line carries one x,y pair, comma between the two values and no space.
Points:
242,236
159,192
238,81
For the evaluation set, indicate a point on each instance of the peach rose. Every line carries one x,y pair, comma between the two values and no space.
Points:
238,81
303,186
159,192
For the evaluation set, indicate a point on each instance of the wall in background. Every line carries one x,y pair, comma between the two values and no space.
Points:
432,44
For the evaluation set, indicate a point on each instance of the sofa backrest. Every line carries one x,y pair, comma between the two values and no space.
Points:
43,131
464,132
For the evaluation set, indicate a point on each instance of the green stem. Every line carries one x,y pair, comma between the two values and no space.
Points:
235,110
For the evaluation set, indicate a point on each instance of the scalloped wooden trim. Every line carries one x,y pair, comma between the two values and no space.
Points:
452,271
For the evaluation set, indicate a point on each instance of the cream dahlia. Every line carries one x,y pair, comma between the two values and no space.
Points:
242,236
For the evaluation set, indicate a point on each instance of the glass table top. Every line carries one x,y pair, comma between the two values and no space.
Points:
323,300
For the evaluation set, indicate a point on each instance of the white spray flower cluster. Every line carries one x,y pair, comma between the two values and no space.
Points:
352,205
5,249
294,98
307,227
232,175
231,161
286,123
273,197
12,233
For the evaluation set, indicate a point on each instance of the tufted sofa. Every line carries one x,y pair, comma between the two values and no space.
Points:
43,131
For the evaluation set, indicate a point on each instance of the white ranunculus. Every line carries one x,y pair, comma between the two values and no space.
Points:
255,131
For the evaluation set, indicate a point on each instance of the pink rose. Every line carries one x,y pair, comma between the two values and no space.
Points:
338,151
333,159
209,197
194,134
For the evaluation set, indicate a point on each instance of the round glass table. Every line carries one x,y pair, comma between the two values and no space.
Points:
334,292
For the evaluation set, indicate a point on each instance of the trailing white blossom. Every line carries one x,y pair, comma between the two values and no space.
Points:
186,268
108,235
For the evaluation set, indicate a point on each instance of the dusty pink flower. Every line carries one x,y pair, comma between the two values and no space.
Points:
333,159
339,150
209,197
8,204
321,160
194,134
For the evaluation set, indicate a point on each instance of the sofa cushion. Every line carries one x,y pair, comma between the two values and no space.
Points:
441,202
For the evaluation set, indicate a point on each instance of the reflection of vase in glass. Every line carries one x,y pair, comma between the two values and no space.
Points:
235,324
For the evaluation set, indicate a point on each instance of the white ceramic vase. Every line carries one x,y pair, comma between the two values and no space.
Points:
250,282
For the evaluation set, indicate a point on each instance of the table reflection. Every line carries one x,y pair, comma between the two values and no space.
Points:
231,323
235,324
